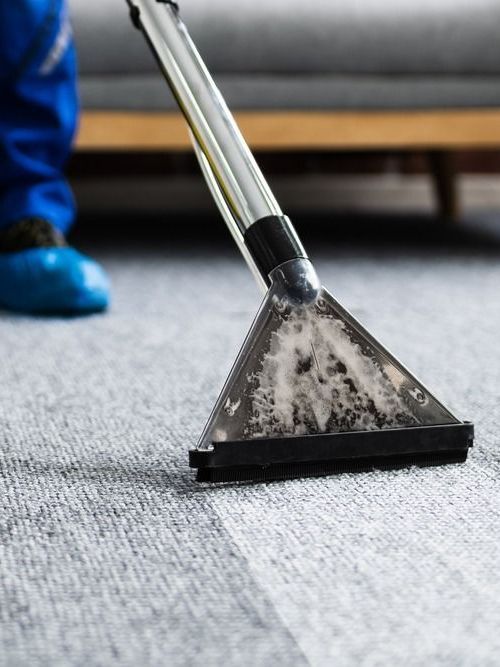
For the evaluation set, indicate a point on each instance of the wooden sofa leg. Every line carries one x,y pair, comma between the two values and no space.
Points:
442,166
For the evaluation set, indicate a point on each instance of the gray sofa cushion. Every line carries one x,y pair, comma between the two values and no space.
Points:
322,53
319,92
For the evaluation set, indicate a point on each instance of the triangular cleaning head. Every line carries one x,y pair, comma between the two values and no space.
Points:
312,387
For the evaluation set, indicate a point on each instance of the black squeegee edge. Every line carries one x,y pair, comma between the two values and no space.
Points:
321,469
325,454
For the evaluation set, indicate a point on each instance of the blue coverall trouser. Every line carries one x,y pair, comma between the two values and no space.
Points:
38,111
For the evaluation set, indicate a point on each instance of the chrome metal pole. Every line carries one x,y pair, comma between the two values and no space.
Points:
240,180
225,211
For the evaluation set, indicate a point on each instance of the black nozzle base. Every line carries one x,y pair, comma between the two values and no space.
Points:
326,454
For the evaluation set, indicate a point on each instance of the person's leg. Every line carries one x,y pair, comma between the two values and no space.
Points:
38,113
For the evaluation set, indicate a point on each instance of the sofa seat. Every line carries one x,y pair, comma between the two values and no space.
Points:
323,55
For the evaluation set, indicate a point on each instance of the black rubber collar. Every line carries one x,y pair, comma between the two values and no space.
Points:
272,242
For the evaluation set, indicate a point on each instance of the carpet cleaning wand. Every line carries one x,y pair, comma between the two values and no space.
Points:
311,391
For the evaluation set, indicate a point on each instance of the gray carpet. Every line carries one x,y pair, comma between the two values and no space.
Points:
110,554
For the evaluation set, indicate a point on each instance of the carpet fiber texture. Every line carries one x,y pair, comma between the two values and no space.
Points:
110,553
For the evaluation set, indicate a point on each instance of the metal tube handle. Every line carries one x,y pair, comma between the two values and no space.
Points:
225,211
239,177
265,236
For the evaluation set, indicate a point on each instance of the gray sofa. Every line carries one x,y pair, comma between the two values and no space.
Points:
317,75
321,54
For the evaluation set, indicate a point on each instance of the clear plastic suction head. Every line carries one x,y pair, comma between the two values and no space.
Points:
307,367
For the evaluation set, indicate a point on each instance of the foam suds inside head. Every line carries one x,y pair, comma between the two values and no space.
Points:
316,379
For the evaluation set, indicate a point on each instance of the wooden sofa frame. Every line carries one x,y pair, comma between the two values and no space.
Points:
437,132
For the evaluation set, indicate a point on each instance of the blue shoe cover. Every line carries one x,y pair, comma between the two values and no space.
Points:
52,280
